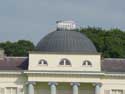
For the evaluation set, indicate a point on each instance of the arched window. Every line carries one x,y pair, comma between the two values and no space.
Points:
65,62
87,63
43,62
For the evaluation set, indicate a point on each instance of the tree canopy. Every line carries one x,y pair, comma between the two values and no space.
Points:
19,48
111,43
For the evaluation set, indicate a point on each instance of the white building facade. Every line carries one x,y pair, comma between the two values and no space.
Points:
66,62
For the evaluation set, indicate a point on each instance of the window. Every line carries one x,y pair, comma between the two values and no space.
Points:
11,90
43,62
65,62
117,91
87,63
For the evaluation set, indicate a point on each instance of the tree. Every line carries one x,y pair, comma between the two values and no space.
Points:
19,48
111,43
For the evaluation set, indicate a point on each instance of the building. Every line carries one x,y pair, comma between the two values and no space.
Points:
66,63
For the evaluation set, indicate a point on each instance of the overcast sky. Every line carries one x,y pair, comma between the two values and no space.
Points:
32,19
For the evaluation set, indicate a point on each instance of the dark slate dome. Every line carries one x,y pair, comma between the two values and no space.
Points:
66,41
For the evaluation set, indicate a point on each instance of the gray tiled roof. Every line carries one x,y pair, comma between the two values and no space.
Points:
66,41
14,63
113,65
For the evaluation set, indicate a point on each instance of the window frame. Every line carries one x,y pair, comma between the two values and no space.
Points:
116,91
67,62
43,62
11,88
87,63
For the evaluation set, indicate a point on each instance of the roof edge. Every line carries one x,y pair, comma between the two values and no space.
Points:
40,52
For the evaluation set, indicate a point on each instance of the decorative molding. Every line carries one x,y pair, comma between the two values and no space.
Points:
90,73
99,84
75,83
65,72
12,72
30,82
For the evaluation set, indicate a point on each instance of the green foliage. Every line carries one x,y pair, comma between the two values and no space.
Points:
111,43
19,48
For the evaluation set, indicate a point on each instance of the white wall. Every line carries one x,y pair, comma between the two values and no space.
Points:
13,81
54,59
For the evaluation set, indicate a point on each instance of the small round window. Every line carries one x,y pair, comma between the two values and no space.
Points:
65,62
43,62
87,63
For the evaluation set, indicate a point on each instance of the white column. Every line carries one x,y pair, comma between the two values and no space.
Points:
31,87
53,87
97,88
75,87
18,90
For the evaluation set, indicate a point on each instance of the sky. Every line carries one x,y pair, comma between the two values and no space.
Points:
33,19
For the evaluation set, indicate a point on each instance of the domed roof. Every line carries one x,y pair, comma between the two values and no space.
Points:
66,41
